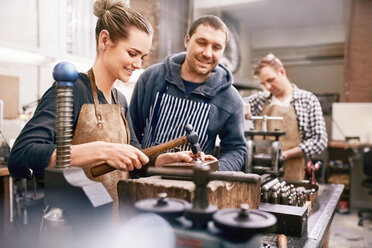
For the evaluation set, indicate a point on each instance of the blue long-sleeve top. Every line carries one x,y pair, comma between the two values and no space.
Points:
35,144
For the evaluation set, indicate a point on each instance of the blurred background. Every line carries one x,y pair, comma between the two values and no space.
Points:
325,45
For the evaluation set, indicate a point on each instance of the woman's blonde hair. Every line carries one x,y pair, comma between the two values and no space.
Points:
117,19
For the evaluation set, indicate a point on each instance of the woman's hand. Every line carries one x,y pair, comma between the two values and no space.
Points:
183,156
125,157
120,156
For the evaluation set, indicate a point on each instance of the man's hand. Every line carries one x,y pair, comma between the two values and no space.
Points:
247,110
292,153
182,156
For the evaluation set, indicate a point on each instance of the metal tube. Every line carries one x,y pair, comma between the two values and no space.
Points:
11,213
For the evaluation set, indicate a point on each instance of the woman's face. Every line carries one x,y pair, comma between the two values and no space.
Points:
125,56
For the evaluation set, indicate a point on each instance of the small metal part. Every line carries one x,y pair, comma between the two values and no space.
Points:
282,184
274,198
300,200
268,185
275,187
300,189
243,214
283,198
162,199
290,200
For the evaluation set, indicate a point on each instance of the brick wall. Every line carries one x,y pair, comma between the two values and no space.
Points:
150,9
358,62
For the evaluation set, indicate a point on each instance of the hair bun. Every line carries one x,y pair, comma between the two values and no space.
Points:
101,6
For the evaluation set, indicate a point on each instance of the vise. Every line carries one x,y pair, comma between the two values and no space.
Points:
264,149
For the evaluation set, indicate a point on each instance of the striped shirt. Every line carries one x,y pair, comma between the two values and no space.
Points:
309,117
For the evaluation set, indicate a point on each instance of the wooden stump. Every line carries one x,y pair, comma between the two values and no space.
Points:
220,193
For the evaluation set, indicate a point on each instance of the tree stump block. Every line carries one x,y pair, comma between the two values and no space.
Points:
220,193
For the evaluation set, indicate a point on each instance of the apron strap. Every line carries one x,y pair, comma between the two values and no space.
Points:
97,106
114,99
155,117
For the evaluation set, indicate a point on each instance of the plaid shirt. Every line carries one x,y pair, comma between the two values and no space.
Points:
309,117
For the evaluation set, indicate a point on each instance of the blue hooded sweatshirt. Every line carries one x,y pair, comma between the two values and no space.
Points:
226,117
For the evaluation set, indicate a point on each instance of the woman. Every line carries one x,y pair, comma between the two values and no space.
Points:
123,40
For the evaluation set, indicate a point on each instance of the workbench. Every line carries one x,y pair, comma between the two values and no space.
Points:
319,220
5,225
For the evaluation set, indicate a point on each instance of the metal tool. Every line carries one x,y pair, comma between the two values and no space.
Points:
311,168
202,222
191,137
264,119
67,189
280,193
264,156
282,241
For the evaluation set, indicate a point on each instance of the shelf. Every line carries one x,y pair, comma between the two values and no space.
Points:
339,169
343,144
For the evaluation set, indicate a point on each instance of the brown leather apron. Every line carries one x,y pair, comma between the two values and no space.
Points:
103,122
294,169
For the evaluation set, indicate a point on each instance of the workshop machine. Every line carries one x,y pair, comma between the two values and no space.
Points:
265,154
202,223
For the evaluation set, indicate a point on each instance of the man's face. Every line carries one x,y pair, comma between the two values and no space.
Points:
273,80
204,49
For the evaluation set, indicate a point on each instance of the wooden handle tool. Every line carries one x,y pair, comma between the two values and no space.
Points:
105,168
282,241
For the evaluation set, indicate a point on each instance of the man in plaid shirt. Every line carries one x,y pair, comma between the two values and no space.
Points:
303,119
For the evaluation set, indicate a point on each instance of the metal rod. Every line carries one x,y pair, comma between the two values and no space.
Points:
11,199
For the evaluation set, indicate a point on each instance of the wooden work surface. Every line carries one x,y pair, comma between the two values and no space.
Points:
319,221
220,193
346,145
4,171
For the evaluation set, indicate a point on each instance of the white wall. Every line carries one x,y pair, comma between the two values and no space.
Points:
270,38
324,76
37,26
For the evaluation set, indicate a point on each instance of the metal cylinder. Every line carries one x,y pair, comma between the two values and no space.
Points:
65,75
56,229
64,125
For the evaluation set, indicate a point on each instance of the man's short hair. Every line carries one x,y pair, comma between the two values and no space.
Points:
268,60
209,20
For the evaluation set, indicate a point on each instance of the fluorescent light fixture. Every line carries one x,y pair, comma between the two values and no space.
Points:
12,55
207,4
